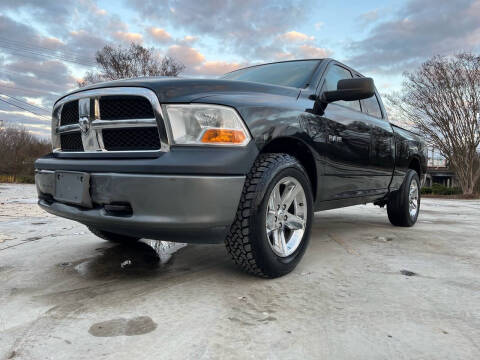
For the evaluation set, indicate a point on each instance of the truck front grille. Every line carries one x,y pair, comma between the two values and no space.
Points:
109,119
71,141
132,139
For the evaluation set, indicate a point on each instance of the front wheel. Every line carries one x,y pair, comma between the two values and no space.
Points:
404,204
272,226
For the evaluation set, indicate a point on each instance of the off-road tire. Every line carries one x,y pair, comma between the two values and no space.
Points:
247,241
398,205
112,237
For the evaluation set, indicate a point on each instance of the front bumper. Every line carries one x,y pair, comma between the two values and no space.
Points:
182,208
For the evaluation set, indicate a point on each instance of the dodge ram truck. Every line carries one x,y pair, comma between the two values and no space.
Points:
246,158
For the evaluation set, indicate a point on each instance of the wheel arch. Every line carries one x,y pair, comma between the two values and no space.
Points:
415,165
301,151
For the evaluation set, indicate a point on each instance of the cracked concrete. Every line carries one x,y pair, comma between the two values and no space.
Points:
364,290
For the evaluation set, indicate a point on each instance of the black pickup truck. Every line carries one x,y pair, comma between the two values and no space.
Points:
246,159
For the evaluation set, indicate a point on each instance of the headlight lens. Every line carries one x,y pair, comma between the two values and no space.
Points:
203,124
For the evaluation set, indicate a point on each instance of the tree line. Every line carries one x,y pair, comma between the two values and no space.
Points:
19,149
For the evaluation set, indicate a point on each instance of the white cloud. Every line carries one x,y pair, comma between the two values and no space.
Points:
295,36
217,67
187,55
159,35
313,52
128,37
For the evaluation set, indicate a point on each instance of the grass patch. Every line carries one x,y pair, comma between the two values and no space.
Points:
21,179
437,189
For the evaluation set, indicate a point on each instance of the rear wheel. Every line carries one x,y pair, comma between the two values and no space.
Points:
404,204
272,226
112,237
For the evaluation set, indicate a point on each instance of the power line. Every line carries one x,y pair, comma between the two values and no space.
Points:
26,72
25,102
16,47
44,51
19,53
30,45
20,107
44,93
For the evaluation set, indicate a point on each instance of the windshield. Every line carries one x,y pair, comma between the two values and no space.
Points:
291,73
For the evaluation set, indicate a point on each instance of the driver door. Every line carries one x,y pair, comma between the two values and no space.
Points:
346,147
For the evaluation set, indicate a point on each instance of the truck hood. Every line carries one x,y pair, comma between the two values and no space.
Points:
177,90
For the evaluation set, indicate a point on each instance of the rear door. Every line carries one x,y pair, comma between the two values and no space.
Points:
346,147
382,149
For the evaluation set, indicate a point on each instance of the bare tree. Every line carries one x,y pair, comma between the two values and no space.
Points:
19,149
442,101
127,62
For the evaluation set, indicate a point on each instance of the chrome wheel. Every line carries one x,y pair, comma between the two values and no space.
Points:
413,199
286,216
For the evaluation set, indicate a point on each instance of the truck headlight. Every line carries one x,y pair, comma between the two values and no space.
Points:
203,124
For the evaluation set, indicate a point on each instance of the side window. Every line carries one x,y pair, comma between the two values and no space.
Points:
372,107
334,74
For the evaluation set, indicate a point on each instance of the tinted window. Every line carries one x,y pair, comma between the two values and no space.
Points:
293,73
372,107
334,74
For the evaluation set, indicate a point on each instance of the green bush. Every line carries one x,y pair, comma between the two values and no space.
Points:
438,189
26,179
426,190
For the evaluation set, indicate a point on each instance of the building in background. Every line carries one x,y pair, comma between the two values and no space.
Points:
438,170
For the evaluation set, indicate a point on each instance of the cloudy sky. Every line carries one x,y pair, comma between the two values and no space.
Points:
47,45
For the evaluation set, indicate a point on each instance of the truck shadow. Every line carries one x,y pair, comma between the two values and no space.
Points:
149,259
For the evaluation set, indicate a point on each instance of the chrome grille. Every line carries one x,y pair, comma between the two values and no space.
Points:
111,119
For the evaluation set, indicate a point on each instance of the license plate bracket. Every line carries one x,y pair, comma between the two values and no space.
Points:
73,187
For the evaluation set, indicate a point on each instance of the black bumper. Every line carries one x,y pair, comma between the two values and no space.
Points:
184,195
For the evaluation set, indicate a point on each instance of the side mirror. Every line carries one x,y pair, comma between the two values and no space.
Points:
350,90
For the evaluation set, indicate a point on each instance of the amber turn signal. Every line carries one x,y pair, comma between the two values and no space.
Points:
225,136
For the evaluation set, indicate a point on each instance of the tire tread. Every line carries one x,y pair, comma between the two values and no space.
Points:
238,241
397,208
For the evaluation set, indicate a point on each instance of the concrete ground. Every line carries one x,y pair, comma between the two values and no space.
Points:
364,290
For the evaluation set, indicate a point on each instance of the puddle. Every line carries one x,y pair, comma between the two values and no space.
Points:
127,327
140,258
408,273
33,238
